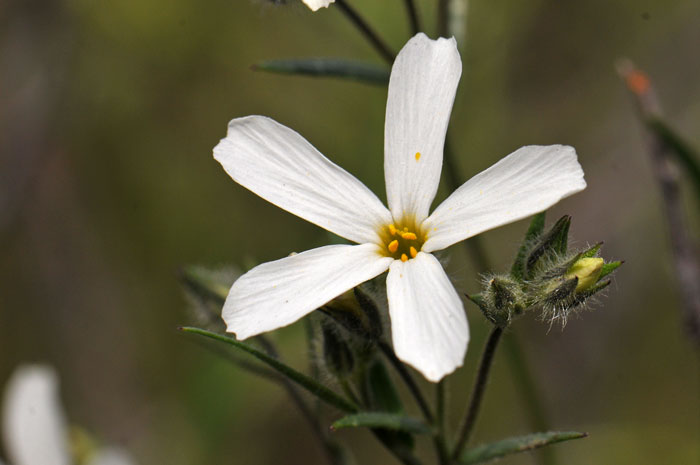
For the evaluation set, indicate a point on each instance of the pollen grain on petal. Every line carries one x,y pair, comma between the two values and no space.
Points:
417,156
393,246
404,257
409,236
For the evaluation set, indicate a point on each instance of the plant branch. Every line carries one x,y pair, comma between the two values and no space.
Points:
408,380
412,16
443,10
440,438
683,251
478,391
369,33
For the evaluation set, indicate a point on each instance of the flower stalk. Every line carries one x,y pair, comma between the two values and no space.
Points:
370,34
478,391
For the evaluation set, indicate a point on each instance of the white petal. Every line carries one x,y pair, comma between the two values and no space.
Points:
278,293
33,422
316,4
428,325
111,456
421,92
526,182
285,169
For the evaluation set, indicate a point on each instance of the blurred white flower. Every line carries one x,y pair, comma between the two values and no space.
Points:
429,327
34,425
316,4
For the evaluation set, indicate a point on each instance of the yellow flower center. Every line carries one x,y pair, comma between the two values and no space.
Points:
401,240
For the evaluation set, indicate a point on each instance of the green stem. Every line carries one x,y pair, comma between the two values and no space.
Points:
369,33
527,388
440,439
518,364
478,391
412,16
443,17
408,380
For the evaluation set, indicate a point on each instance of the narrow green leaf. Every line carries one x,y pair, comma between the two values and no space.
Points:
535,229
495,450
687,156
609,268
328,67
390,421
314,387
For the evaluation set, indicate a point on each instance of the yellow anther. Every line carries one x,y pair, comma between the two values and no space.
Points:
414,252
392,229
417,156
409,236
404,258
393,246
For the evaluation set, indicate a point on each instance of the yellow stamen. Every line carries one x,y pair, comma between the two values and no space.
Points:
409,236
404,258
414,252
392,229
393,246
417,156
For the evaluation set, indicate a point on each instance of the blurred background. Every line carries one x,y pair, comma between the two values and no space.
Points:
108,115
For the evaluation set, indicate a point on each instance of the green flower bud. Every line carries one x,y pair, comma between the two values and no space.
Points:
355,311
336,352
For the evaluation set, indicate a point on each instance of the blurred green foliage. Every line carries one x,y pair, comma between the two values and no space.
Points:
109,112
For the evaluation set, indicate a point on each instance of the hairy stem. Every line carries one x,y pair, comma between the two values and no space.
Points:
478,391
440,439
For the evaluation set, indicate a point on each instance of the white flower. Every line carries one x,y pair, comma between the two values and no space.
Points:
34,425
429,327
316,4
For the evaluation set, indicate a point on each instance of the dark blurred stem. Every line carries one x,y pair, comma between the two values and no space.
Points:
439,439
474,246
477,396
408,380
518,364
412,16
443,17
662,149
369,33
526,387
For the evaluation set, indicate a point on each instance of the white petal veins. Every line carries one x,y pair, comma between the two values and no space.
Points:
278,293
428,324
422,89
283,168
528,181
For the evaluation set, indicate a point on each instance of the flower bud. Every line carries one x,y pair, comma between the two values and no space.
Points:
550,244
587,271
336,352
357,312
501,301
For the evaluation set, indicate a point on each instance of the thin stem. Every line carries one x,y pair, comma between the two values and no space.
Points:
408,380
473,245
443,17
366,30
440,439
661,147
518,366
478,391
413,16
